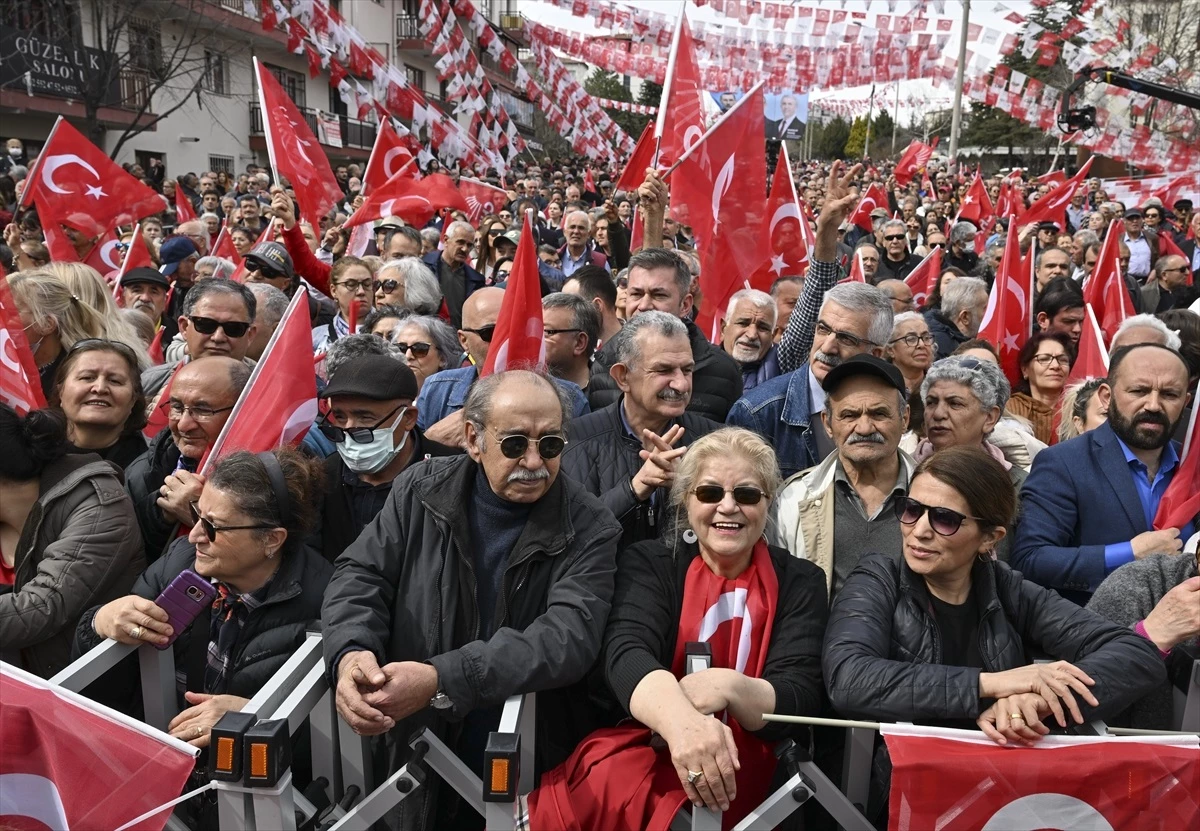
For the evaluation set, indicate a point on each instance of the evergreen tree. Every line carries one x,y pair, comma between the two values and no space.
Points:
604,84
856,140
829,139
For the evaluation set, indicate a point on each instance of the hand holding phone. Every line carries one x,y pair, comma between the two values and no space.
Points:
183,600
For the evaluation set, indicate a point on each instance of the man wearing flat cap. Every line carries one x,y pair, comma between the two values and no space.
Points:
146,289
1142,245
372,422
849,498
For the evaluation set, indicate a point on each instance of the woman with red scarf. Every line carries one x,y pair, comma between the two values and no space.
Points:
714,579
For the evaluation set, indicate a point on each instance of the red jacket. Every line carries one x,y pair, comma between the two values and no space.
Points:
304,261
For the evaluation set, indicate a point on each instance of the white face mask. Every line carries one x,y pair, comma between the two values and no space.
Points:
16,152
373,456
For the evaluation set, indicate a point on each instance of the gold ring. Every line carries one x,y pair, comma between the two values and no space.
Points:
1016,717
136,633
694,775
199,731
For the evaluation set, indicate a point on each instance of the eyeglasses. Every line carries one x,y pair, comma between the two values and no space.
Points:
356,285
495,232
912,338
485,333
208,326
942,520
419,349
549,332
742,494
514,446
894,237
267,272
1044,360
362,435
388,286
210,530
845,339
174,409
1151,215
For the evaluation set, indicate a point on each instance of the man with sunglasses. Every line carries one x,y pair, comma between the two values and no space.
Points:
844,508
163,480
897,262
483,576
372,423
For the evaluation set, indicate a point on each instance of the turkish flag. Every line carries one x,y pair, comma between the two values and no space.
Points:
71,763
680,122
223,246
1180,503
718,191
1006,322
156,421
642,157
439,189
20,385
1091,358
1168,248
294,151
783,226
105,255
279,402
482,199
519,341
976,206
637,231
61,249
914,158
875,197
184,212
398,196
75,182
923,278
1105,289
1053,206
1053,177
1007,201
589,183
857,273
388,156
944,778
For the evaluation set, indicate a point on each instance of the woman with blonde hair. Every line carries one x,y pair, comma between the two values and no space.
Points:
87,284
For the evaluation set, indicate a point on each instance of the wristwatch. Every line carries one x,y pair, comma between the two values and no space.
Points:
441,701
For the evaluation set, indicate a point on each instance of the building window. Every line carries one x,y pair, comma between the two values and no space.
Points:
485,9
1151,23
43,18
221,164
216,72
416,77
292,82
145,46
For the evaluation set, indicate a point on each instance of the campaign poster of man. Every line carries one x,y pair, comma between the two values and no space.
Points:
785,113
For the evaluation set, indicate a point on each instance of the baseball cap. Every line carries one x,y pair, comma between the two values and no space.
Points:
377,377
144,274
389,222
271,255
864,365
879,212
1133,213
174,251
512,236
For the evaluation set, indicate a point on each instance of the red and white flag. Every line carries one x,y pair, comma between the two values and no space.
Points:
717,184
136,256
957,779
239,273
923,279
589,182
482,199
1006,322
399,196
75,182
279,402
388,156
857,274
295,153
105,255
1053,206
642,157
184,211
680,122
158,419
875,197
69,763
912,161
784,227
1091,358
1180,503
223,245
1168,247
976,205
20,385
1105,289
1008,201
519,341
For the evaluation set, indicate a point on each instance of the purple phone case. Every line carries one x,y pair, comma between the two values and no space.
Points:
185,598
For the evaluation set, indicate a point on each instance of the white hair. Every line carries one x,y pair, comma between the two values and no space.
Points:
905,317
584,214
758,299
1170,338
422,292
458,225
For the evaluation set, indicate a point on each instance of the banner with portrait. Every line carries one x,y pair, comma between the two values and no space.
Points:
785,113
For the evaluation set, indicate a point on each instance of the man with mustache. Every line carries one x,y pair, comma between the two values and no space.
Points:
145,289
626,453
842,509
483,576
1089,504
747,336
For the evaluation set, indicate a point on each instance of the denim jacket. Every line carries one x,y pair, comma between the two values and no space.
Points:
778,410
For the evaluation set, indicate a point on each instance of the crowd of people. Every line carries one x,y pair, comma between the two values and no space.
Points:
892,531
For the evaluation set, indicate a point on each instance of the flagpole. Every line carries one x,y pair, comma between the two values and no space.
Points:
370,158
266,120
896,120
870,109
956,112
688,153
660,122
30,181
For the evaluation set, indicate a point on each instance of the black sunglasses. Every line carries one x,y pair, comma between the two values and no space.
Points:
742,494
267,272
419,349
943,520
485,334
388,286
207,326
894,237
514,446
210,530
362,435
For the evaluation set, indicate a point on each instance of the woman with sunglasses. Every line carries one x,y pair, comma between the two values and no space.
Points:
1045,362
429,345
98,387
666,591
68,539
248,541
945,634
490,230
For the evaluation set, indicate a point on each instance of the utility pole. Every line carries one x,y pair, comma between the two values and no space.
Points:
956,116
896,119
870,110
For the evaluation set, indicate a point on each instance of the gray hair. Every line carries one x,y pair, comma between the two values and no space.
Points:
405,231
430,236
422,292
1170,339
862,298
993,247
895,223
1037,263
222,268
960,294
984,378
652,259
570,214
355,346
445,341
478,407
213,288
759,299
905,317
625,342
960,231
457,226
272,303
1086,237
584,315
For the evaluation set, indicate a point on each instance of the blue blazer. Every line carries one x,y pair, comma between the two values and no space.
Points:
1079,497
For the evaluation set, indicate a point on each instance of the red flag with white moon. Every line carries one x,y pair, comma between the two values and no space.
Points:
923,278
784,229
400,196
875,197
680,122
388,156
1006,321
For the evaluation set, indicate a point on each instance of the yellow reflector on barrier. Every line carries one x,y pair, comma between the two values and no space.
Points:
258,760
499,775
225,746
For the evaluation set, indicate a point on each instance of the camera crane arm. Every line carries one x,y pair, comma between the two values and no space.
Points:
1084,118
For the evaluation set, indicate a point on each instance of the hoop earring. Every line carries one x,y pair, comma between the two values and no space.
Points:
689,536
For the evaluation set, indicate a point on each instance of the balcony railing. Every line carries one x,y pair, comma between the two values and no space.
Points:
408,28
355,133
135,90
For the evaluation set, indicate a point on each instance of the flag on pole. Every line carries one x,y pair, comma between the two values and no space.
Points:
875,197
20,385
642,157
105,255
398,196
857,273
1053,206
482,199
923,279
388,156
680,122
1167,247
976,204
914,159
1006,321
223,246
279,402
783,227
1180,503
1091,358
1105,289
239,273
519,341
